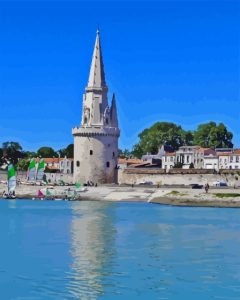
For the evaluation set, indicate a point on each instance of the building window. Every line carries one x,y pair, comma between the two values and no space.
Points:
78,163
91,152
113,154
108,164
107,121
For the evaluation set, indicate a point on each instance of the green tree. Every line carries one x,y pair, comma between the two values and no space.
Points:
178,165
159,134
124,153
30,154
69,151
12,150
46,152
23,164
213,136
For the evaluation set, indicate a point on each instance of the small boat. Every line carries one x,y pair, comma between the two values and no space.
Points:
12,182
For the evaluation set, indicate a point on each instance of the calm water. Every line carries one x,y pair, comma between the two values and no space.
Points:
93,250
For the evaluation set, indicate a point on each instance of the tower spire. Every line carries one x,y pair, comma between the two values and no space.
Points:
97,75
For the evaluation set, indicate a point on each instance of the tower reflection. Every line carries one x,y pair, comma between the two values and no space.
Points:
92,248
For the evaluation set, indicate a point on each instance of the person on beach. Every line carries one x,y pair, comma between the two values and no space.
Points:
206,187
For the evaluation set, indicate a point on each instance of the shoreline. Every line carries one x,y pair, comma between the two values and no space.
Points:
176,196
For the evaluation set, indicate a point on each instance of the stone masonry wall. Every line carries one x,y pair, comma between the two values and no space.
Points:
232,179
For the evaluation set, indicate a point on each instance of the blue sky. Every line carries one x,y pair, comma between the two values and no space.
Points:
165,60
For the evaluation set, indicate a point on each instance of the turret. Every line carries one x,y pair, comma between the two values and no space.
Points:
113,112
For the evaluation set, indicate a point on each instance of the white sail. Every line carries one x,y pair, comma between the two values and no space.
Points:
40,169
12,182
32,170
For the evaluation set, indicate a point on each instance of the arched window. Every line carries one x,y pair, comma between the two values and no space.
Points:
78,163
108,164
113,154
91,152
107,121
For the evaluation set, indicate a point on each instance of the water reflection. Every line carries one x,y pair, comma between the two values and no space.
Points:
92,248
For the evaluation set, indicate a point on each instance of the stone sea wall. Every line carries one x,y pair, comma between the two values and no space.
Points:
130,176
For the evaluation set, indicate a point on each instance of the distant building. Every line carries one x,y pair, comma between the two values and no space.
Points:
61,165
186,155
168,160
157,158
66,165
234,159
210,162
229,159
197,157
128,162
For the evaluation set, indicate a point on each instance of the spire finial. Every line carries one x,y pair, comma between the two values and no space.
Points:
98,29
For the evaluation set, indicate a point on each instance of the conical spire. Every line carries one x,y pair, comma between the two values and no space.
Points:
97,76
113,112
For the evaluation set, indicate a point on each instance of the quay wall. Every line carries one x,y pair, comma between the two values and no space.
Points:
131,176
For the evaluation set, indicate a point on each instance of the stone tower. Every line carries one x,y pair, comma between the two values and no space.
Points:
96,140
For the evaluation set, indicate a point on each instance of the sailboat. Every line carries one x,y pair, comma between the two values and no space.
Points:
31,175
40,169
12,182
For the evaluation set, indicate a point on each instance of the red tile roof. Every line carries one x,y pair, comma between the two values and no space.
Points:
129,161
170,153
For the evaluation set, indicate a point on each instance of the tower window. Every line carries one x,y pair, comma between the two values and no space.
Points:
113,154
108,164
91,152
106,120
78,163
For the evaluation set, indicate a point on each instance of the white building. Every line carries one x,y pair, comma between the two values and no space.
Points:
210,162
62,165
229,160
66,165
96,140
168,160
186,155
234,160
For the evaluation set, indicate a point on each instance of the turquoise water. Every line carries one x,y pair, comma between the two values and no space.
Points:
102,250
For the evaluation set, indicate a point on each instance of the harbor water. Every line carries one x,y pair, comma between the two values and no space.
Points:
118,250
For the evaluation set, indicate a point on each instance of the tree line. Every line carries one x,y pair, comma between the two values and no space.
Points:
207,135
12,151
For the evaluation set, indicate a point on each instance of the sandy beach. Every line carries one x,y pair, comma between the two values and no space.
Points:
185,196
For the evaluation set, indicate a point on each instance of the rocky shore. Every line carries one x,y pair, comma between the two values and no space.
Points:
167,195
